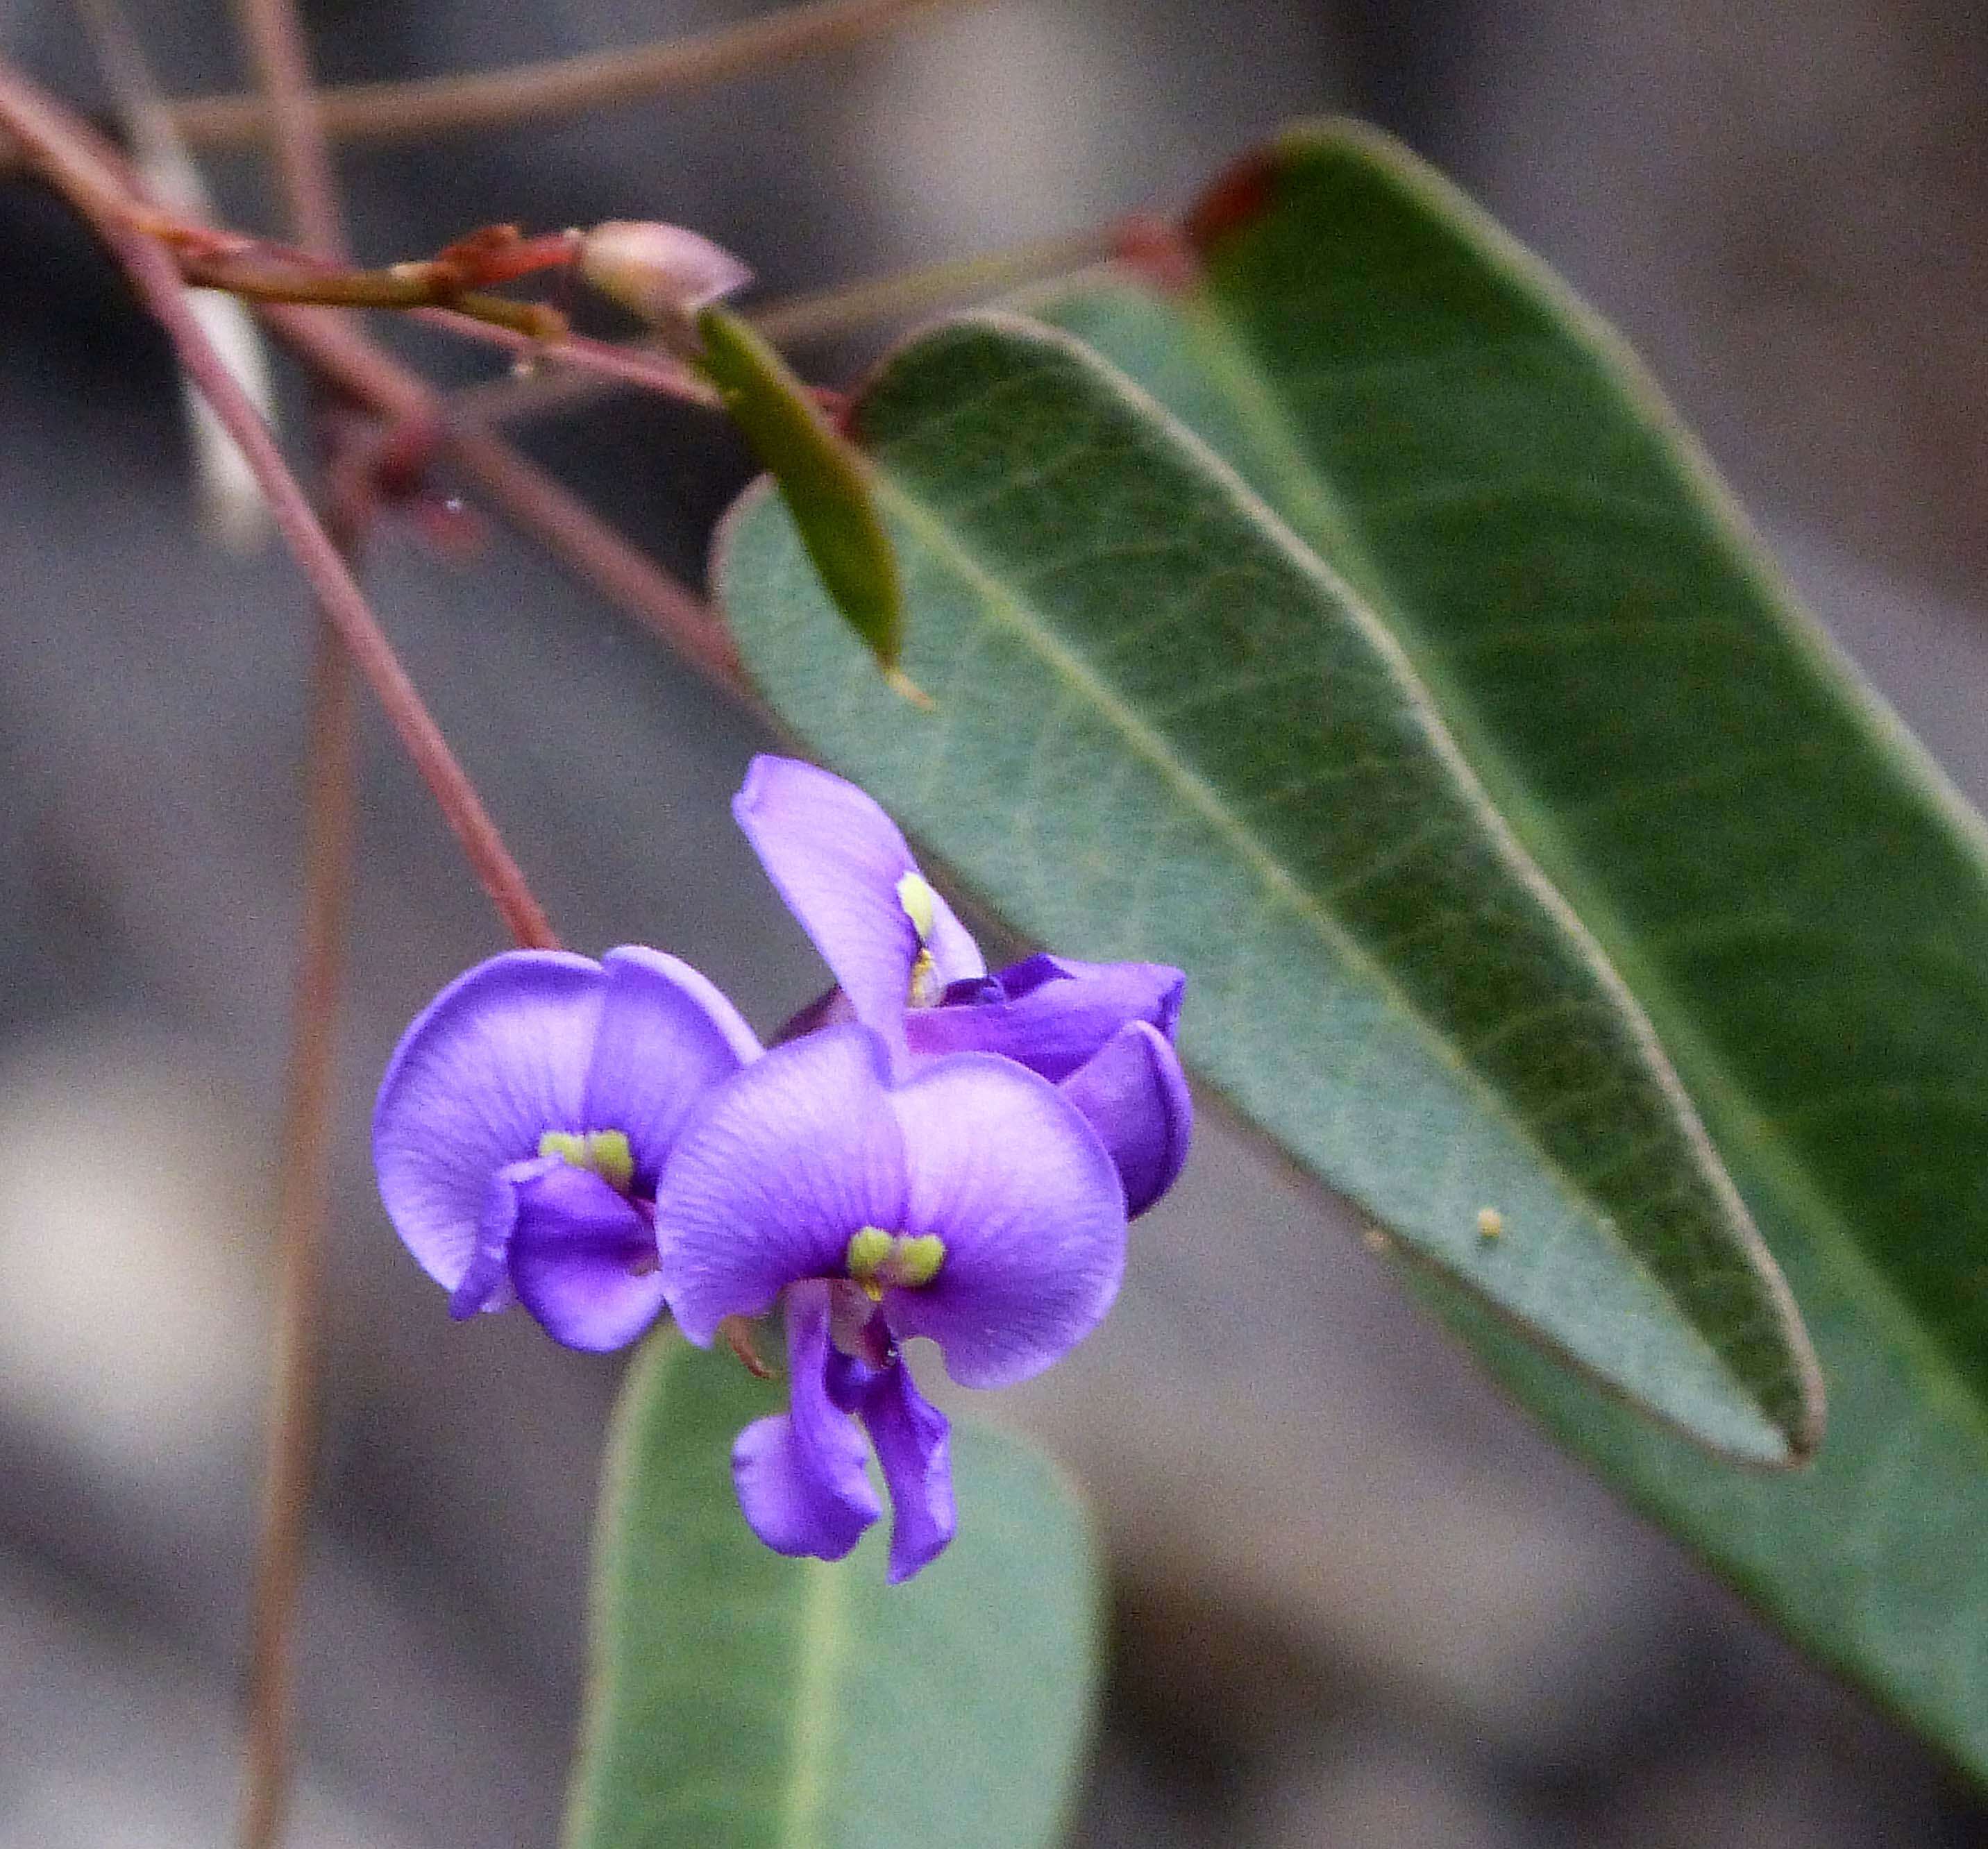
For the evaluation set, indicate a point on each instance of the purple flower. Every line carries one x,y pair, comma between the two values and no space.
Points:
524,1121
907,968
970,1202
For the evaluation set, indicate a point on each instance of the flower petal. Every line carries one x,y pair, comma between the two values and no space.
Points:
836,859
799,1474
1135,1095
1007,1173
774,1173
666,1036
1052,1014
485,1283
494,1061
584,1260
913,1445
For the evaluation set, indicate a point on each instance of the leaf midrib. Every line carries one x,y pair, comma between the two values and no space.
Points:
1064,661
820,1642
1259,406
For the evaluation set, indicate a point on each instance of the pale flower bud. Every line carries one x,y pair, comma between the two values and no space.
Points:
662,272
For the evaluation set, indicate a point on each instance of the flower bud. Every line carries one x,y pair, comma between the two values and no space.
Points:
662,272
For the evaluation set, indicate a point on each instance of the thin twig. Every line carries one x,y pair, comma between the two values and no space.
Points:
407,289
574,533
531,498
63,148
289,1463
289,1460
554,389
232,506
632,365
830,312
564,86
159,284
296,124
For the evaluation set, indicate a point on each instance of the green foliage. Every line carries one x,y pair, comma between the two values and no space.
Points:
822,477
1791,890
1164,729
741,1701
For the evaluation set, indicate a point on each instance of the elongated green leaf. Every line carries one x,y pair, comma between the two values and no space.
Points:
823,477
741,1701
1790,888
1163,730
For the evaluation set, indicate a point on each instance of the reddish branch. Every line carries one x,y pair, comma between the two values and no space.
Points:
562,86
526,494
310,190
64,150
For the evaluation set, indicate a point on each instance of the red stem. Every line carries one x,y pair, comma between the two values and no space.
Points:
531,498
157,281
311,188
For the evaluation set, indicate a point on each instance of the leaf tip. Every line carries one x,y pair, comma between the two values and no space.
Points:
906,688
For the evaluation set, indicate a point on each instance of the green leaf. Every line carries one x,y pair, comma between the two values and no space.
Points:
1163,730
822,476
739,1700
1791,888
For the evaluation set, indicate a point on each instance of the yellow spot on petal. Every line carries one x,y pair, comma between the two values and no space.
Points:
877,1260
926,989
917,1261
867,1250
601,1152
1490,1223
920,904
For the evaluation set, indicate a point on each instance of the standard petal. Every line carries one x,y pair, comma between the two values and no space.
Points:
1135,1095
771,1177
799,1474
836,859
497,1059
914,1448
1051,1013
666,1036
1007,1173
584,1260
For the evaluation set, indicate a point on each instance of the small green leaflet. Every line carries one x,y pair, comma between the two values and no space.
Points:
739,1700
822,476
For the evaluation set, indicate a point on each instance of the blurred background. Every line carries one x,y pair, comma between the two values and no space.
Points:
1358,1601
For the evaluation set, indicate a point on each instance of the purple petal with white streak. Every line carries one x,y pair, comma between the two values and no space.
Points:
836,858
1007,1173
1051,1013
1135,1095
666,1036
584,1260
799,1474
498,1058
486,1284
772,1175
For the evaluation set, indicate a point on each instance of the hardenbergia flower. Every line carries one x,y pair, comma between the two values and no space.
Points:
970,1202
523,1122
934,1152
906,967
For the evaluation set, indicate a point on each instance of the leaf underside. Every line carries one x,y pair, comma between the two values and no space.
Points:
1165,729
739,1700
1792,890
